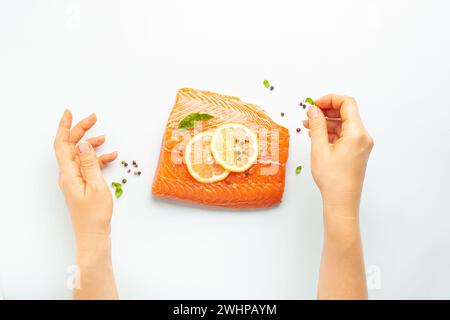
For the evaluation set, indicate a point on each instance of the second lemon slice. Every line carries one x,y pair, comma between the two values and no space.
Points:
234,146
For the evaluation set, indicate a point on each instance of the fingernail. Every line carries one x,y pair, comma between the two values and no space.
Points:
92,115
312,112
84,147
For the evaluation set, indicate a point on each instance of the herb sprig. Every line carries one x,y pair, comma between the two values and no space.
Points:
119,191
310,101
189,121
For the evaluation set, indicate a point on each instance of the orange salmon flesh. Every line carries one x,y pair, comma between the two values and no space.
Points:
260,186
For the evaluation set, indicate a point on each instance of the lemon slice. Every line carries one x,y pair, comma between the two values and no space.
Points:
234,146
200,161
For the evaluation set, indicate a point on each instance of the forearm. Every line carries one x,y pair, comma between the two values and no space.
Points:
342,272
96,272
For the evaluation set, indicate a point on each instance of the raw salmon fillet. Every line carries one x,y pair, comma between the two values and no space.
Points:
261,186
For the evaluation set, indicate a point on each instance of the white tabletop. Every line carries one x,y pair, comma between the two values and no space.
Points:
125,60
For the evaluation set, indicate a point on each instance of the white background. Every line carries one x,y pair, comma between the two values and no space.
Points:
125,61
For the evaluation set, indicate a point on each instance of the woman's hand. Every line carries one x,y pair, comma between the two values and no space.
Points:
89,200
340,148
87,195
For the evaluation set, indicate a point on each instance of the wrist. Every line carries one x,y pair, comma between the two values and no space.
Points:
341,223
89,231
91,248
90,220
95,268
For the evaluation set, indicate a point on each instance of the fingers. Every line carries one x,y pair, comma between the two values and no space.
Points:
103,160
347,107
62,135
306,124
62,149
333,125
80,129
318,129
89,165
332,138
96,141
331,113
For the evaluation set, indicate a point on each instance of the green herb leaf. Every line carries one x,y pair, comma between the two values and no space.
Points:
298,169
189,121
118,192
119,189
204,117
266,84
116,185
310,101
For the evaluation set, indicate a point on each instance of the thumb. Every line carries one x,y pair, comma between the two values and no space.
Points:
89,165
317,128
